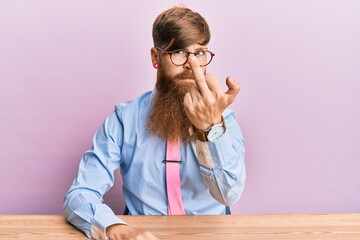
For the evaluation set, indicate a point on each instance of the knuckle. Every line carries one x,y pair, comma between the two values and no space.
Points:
210,101
237,86
219,94
190,110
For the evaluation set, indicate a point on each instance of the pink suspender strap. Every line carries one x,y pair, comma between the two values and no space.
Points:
175,205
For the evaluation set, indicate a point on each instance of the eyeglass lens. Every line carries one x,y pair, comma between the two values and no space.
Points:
180,57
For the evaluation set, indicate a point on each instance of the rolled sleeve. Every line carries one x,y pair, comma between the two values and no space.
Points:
222,163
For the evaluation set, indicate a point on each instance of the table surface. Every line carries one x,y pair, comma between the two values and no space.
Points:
228,227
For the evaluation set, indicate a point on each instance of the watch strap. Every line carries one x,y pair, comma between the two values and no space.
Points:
202,134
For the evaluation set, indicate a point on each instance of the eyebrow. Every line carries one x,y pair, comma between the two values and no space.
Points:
197,49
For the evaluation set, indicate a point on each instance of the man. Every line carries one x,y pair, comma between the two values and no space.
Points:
186,111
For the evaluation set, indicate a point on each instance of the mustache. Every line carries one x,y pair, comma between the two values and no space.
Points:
185,75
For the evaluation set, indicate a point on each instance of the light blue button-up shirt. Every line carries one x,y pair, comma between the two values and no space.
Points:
212,173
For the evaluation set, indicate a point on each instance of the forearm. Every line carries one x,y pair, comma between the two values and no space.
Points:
222,167
83,203
85,210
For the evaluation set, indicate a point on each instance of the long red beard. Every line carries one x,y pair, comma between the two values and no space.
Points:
167,118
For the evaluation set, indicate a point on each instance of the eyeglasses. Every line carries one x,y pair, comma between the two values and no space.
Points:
180,57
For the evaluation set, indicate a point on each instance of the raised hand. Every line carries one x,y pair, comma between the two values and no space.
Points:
205,103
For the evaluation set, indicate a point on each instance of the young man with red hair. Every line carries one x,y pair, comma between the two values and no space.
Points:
186,112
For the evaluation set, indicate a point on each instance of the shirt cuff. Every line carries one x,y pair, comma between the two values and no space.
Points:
101,222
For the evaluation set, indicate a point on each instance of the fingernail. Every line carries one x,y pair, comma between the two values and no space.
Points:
191,58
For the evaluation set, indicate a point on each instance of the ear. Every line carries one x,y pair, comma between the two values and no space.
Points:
154,56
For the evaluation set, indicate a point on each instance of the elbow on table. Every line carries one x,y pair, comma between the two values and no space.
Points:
230,196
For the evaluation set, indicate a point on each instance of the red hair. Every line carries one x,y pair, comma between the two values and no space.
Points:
179,27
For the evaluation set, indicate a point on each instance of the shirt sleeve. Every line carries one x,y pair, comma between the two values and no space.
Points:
222,163
83,204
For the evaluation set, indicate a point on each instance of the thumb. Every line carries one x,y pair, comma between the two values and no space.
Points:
233,90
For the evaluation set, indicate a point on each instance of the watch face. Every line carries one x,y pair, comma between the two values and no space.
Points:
215,132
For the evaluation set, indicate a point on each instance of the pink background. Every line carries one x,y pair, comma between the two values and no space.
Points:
64,65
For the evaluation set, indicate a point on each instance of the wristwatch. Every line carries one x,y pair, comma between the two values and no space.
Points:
212,133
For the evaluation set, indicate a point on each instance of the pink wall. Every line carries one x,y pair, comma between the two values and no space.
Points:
64,64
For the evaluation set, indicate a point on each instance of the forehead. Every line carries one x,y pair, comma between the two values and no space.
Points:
195,47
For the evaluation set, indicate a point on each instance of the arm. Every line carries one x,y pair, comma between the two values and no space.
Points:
221,161
83,203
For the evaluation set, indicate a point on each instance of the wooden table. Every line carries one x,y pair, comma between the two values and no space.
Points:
249,227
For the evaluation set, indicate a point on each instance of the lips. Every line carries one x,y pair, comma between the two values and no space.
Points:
185,77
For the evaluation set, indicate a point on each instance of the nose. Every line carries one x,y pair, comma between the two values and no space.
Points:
189,56
187,65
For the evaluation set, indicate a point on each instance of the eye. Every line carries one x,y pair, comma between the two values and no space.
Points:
179,52
200,53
